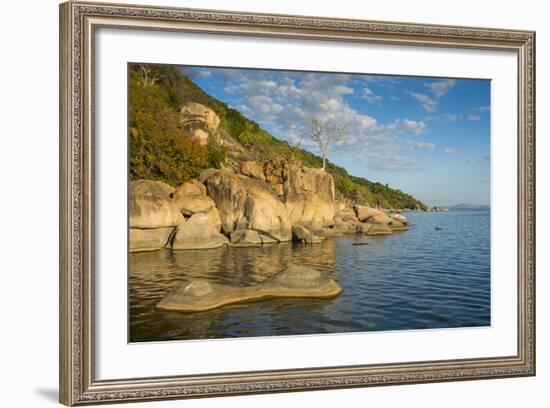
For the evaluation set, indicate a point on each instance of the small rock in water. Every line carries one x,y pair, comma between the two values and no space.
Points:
294,282
438,228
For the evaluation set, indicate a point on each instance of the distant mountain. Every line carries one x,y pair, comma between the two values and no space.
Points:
472,207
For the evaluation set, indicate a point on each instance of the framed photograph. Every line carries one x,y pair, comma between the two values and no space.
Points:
256,203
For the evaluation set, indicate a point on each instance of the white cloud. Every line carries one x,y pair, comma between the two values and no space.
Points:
452,117
370,96
473,117
451,152
427,102
205,73
285,103
440,88
417,128
382,80
483,109
422,146
483,159
437,90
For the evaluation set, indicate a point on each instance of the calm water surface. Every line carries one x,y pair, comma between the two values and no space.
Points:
417,279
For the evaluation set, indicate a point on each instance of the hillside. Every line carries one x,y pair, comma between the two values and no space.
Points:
160,149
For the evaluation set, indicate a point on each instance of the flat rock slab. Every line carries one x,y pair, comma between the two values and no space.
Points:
295,282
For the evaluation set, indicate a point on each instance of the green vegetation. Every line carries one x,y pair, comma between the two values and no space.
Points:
160,150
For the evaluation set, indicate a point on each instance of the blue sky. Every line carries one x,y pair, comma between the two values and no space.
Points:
429,137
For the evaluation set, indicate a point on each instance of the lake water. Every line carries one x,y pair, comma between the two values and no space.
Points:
418,279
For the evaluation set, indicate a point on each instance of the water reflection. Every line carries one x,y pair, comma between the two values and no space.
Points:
419,279
153,274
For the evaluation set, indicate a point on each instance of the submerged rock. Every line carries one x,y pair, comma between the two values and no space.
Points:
294,282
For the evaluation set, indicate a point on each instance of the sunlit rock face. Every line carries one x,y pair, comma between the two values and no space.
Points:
199,121
309,197
151,205
201,227
247,204
153,215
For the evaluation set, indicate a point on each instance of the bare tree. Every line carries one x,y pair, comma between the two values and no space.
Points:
145,76
323,136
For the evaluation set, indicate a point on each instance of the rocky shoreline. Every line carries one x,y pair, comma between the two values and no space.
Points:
248,208
246,203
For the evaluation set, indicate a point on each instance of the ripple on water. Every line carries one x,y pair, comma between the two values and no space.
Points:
413,280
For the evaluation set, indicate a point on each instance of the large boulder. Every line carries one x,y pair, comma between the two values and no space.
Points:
345,216
309,197
251,238
247,204
253,169
195,112
371,215
295,282
339,229
363,227
379,229
149,239
200,231
397,226
303,235
202,124
189,205
189,188
379,219
151,205
364,212
345,227
400,218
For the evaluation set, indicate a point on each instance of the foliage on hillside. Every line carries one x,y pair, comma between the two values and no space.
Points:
160,150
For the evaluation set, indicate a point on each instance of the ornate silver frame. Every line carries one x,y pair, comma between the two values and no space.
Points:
78,22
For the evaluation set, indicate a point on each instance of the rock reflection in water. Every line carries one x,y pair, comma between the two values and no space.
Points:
153,274
417,279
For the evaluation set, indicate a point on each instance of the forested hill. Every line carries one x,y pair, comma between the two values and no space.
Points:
160,149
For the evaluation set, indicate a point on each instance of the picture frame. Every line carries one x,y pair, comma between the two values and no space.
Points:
79,23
